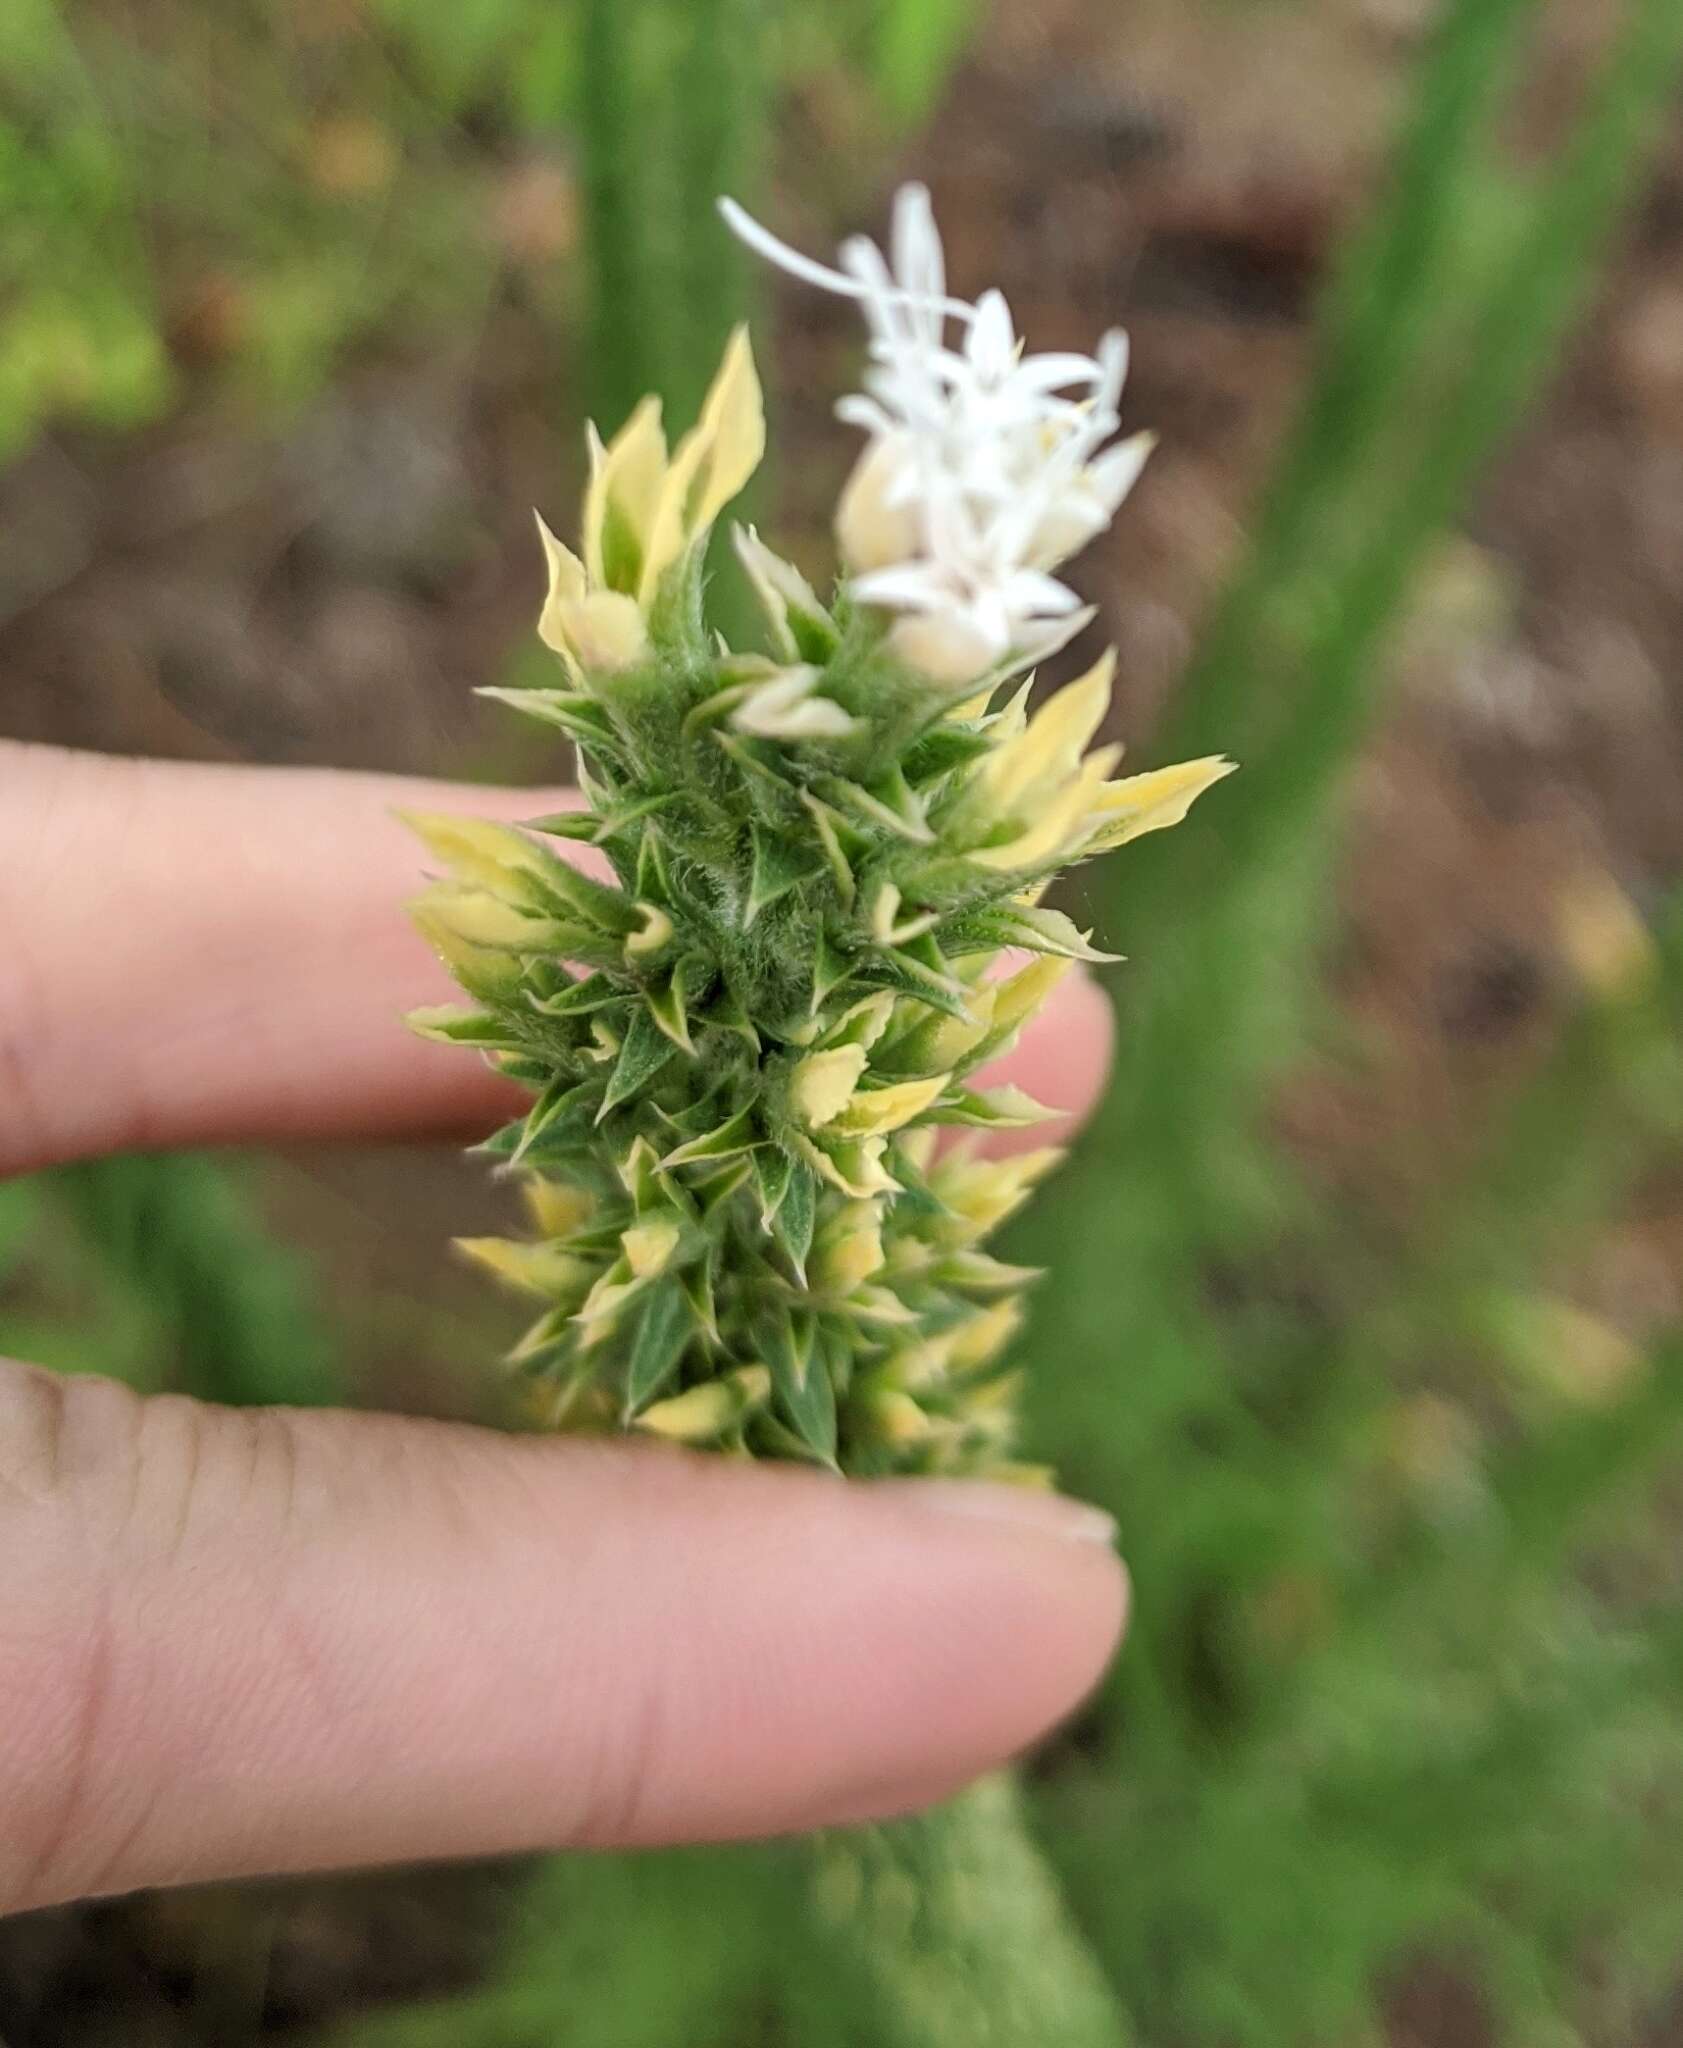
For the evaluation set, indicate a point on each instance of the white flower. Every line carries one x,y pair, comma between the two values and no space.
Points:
987,467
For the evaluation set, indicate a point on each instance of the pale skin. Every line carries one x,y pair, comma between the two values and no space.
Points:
263,1642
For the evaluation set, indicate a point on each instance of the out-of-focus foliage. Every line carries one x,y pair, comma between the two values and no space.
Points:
1406,1674
80,332
316,141
162,1273
229,1309
231,128
664,294
917,43
618,1952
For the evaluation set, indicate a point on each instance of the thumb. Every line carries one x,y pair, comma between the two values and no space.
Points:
263,1642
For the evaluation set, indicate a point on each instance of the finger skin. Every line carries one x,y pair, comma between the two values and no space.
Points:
207,955
199,955
268,1642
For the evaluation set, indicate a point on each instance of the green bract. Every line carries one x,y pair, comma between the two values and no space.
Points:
754,996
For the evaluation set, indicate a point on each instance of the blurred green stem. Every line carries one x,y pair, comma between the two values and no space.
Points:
230,1303
1306,649
623,310
675,111
1381,311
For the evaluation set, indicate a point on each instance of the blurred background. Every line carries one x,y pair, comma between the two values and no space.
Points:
1366,1296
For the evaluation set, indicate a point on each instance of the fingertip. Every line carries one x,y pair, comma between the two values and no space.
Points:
966,1622
344,1640
1051,1596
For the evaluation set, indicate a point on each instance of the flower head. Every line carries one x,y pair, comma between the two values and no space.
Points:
747,1018
987,467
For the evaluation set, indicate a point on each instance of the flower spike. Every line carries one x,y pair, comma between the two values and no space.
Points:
755,1014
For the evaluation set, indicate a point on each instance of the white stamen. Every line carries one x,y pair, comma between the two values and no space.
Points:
764,243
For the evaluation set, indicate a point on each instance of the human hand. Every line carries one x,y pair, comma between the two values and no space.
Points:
263,1641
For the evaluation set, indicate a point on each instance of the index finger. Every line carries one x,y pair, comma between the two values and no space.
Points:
200,955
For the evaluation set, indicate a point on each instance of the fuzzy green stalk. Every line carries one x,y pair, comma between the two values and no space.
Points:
952,1933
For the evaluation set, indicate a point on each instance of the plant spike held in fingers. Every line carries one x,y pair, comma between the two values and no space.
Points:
750,1015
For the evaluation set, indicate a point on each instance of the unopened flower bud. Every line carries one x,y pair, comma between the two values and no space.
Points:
985,1336
876,524
896,1418
947,647
706,1412
606,632
850,1252
786,708
823,1084
539,1269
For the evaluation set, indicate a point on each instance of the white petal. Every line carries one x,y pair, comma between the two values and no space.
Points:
1004,463
951,647
993,339
764,243
1114,474
1041,642
1069,524
1051,373
913,586
920,261
1113,354
786,709
1034,595
866,413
